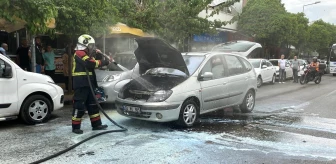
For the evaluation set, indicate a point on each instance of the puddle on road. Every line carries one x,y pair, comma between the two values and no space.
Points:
243,125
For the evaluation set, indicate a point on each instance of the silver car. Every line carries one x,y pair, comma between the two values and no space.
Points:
112,78
176,87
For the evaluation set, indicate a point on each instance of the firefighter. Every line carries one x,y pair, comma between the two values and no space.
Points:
84,58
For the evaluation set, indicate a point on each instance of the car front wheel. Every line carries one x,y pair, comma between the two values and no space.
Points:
273,79
259,81
35,109
188,113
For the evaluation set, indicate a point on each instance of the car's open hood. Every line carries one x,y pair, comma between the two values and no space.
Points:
154,53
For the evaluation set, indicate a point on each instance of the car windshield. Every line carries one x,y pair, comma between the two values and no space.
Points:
274,62
255,63
233,47
192,62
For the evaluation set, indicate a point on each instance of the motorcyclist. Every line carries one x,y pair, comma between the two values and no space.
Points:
315,64
85,60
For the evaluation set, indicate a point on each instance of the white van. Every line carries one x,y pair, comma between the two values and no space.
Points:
244,48
27,95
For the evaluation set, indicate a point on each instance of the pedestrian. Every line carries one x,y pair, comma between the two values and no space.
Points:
24,55
66,62
282,67
295,68
3,49
49,62
85,63
38,55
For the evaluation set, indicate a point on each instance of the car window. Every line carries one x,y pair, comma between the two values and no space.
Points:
274,62
255,63
263,63
247,65
2,67
215,66
269,64
234,65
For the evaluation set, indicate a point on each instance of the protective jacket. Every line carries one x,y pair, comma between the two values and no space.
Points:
81,62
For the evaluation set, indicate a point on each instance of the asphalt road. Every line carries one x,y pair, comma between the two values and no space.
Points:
291,123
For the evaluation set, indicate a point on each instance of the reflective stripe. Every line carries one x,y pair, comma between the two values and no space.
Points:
97,63
80,73
95,115
73,64
85,57
76,119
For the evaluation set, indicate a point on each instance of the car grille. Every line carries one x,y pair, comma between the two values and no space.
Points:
139,95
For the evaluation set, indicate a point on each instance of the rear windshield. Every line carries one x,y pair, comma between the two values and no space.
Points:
255,63
233,47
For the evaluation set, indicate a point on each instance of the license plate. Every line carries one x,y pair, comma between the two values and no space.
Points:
132,109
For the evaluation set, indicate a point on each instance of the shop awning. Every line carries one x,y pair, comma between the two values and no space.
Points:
121,29
20,24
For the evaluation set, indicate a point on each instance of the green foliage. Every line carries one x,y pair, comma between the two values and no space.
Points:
85,16
322,35
173,20
35,13
262,18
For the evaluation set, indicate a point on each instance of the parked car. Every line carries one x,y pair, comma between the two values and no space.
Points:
38,95
288,69
112,78
266,72
176,87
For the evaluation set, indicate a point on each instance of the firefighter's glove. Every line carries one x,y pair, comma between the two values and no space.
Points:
105,62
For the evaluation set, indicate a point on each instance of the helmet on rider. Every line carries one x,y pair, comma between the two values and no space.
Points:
86,42
314,59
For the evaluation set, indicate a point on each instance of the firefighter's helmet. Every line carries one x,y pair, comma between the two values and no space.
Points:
85,41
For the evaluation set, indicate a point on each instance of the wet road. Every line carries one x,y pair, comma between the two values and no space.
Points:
291,123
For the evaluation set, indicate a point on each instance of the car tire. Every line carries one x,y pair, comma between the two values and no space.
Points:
259,82
35,109
334,74
188,114
273,79
318,80
249,102
285,76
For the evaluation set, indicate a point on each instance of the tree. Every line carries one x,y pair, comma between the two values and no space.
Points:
85,16
321,35
36,14
263,19
173,20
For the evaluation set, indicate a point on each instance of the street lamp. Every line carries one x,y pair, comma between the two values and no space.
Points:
311,4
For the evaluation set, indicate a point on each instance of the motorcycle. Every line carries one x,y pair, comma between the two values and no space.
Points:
308,76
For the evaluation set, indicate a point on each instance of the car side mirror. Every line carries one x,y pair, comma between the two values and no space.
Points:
7,73
205,75
264,66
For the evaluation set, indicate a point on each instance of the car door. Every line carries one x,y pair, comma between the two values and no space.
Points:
214,90
289,72
271,69
238,79
8,91
265,71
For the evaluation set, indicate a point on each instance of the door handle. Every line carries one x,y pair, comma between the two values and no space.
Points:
224,83
246,78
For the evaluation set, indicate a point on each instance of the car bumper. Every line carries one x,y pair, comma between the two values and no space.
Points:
150,111
110,92
58,100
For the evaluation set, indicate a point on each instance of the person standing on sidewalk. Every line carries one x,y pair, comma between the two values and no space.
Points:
282,67
38,55
49,60
295,68
24,56
3,49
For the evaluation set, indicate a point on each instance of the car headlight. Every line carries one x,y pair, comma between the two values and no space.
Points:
160,96
112,77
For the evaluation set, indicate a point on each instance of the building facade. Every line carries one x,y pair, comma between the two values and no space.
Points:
227,33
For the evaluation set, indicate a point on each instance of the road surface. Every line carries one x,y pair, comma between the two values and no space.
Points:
291,123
